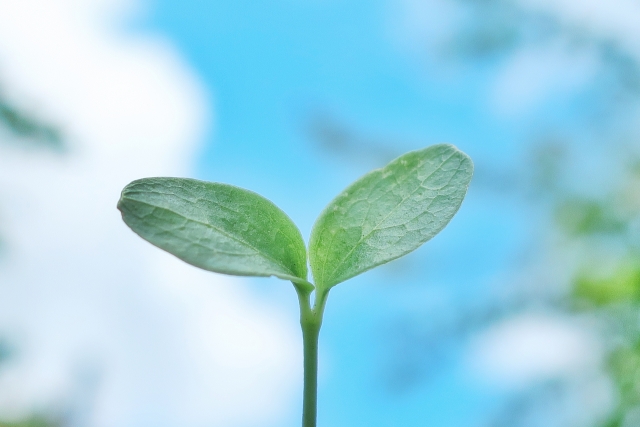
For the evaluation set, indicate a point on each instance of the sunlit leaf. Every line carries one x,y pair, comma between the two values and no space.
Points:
217,227
388,213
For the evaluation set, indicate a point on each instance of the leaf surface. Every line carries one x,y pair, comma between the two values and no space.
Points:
217,227
388,213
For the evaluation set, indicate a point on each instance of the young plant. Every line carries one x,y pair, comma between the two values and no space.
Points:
384,215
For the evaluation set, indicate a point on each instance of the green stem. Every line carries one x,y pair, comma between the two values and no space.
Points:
310,321
310,397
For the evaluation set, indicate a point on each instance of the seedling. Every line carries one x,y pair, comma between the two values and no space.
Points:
384,215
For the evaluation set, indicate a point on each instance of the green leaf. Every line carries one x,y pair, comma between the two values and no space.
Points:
388,213
217,227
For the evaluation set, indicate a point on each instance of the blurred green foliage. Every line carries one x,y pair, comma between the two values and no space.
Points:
624,365
621,286
580,216
6,352
601,231
28,129
606,282
35,421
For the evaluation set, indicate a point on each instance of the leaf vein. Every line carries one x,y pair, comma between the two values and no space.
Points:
230,236
387,216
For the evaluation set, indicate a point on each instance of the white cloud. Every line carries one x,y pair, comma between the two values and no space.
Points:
169,345
615,20
539,73
533,348
536,72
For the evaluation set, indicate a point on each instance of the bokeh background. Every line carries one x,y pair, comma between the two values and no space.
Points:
523,312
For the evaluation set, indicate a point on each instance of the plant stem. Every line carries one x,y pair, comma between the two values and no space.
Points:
310,397
310,321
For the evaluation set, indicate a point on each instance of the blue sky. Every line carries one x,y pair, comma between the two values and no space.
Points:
267,66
